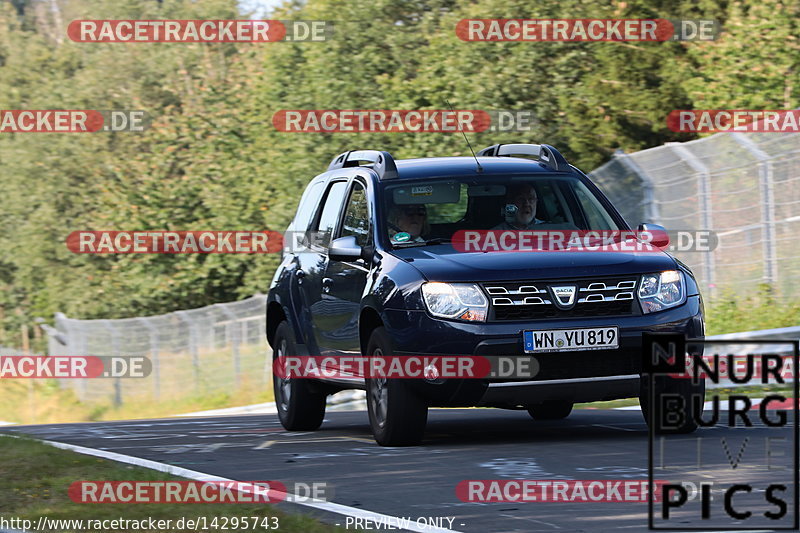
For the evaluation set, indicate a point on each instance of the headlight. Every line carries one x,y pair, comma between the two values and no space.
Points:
462,301
662,290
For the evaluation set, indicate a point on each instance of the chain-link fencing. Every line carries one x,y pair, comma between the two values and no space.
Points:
210,350
744,187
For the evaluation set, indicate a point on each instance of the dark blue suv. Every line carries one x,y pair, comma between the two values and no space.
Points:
381,276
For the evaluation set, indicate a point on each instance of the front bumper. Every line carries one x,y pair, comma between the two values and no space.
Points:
417,333
512,394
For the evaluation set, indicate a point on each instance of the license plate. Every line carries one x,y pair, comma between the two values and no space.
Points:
570,340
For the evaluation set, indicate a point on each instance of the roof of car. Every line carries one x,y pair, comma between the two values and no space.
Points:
432,167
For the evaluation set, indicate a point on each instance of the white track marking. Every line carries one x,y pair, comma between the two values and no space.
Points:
200,476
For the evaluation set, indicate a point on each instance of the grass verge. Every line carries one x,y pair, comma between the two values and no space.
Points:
34,479
731,313
44,402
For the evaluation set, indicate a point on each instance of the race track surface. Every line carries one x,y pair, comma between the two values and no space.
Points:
420,481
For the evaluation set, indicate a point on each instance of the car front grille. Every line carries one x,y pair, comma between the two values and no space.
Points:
532,300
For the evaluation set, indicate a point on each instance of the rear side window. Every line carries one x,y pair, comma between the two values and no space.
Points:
330,211
308,205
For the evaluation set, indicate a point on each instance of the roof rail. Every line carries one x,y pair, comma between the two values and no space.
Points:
381,162
548,155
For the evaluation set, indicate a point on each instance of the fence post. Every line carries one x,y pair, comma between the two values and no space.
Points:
114,351
234,341
74,344
153,333
767,205
183,315
704,193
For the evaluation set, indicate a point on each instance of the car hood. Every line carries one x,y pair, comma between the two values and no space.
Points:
444,263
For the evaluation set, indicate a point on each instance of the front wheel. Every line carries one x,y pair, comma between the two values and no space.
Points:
397,415
299,407
678,404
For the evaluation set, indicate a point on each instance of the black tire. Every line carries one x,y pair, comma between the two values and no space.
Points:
550,410
397,415
299,407
688,393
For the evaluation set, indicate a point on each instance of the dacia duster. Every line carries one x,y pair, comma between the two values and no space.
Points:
382,277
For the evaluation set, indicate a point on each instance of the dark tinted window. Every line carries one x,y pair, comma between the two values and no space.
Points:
356,216
331,210
422,210
308,206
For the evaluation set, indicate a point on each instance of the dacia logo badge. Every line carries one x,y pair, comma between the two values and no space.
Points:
564,295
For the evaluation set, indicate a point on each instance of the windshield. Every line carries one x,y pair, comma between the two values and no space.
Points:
429,212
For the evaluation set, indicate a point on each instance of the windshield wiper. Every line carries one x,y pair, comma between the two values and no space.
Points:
438,240
429,242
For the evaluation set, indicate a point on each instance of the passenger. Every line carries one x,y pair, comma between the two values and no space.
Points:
411,220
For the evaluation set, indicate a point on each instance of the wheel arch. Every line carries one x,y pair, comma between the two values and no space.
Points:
368,321
275,315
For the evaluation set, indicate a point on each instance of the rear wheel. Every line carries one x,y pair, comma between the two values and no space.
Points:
397,415
550,410
677,400
299,407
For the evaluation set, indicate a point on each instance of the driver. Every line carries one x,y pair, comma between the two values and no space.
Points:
522,196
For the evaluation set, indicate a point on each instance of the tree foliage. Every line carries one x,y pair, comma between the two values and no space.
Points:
211,158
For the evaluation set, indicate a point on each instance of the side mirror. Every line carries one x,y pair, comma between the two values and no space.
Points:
344,249
658,234
645,226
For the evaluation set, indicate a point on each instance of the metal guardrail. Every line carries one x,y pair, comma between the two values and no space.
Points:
779,334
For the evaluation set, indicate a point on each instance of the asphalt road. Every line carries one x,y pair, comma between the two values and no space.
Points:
463,444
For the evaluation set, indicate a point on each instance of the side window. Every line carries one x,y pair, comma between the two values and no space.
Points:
596,215
330,212
551,203
308,204
356,216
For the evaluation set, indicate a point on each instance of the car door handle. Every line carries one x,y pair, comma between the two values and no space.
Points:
326,284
